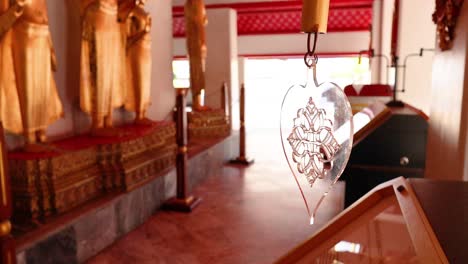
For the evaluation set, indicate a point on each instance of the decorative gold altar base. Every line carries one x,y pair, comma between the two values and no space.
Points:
128,164
208,123
82,168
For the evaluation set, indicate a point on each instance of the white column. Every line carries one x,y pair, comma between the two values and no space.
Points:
221,63
447,149
376,64
385,37
162,89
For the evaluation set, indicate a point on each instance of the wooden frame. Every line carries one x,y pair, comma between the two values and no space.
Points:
397,191
183,201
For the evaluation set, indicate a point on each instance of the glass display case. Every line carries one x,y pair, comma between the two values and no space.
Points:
394,224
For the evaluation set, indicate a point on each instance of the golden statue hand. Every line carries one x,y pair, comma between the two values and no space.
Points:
8,18
19,8
134,39
53,57
125,8
53,60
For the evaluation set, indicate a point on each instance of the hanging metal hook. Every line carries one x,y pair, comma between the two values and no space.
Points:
310,58
308,42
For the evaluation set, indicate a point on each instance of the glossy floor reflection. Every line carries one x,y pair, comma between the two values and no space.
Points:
248,215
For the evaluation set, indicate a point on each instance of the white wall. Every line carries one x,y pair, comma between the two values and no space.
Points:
417,31
386,34
376,66
59,28
292,43
296,43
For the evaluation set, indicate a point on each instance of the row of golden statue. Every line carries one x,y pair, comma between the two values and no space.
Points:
115,64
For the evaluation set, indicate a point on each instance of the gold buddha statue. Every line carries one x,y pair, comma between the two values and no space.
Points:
195,22
102,63
138,52
10,112
33,61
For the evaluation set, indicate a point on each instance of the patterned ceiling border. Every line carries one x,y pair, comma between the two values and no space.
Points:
283,17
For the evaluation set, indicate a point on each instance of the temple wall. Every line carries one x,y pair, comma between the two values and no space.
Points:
381,38
416,31
342,42
447,153
62,28
66,37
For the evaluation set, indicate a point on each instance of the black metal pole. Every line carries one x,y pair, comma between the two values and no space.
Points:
394,102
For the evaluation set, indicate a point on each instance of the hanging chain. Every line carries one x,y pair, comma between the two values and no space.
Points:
310,58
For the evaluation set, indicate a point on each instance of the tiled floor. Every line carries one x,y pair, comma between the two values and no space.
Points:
248,215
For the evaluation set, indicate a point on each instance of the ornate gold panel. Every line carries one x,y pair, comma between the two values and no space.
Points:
67,179
207,124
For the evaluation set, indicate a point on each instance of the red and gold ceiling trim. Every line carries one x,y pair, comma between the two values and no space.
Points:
282,17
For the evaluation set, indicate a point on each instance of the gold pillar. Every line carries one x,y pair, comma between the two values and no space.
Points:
195,22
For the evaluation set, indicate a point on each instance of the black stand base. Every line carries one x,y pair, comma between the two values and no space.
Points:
395,104
242,161
181,205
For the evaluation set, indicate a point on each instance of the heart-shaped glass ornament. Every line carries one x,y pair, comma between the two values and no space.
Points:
316,130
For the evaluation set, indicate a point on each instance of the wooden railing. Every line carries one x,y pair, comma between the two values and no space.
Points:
183,202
